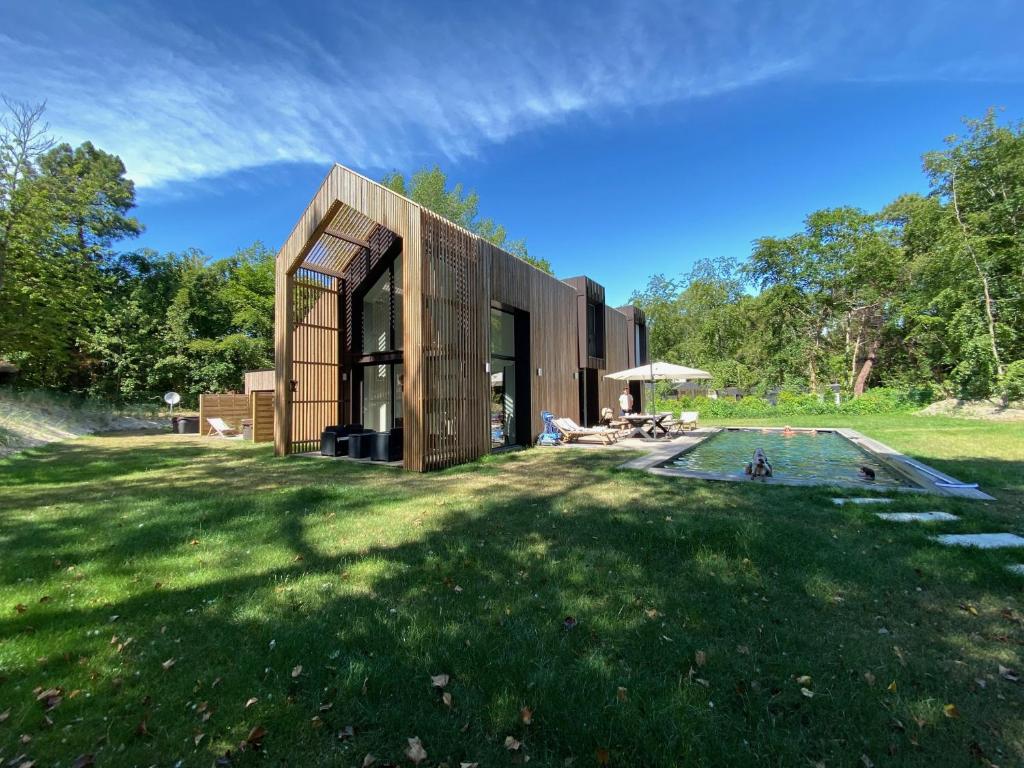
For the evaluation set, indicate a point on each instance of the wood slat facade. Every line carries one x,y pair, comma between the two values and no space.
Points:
451,280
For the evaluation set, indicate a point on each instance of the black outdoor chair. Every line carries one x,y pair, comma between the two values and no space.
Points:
387,446
334,439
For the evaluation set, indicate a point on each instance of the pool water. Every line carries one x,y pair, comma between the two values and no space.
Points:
818,457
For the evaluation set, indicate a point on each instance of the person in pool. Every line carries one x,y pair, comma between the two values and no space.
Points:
788,431
866,473
759,466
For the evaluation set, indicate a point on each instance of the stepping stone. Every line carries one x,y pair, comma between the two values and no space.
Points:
862,500
920,517
1017,568
981,540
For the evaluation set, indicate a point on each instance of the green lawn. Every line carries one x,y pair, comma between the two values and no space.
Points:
181,592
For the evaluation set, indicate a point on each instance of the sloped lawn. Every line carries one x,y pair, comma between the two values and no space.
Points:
177,601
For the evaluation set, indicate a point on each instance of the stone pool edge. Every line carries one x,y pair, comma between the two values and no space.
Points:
657,455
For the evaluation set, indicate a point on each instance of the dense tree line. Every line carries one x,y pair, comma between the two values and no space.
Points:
926,293
78,315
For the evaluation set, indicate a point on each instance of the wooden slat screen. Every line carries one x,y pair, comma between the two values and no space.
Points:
261,408
259,381
315,358
455,319
231,408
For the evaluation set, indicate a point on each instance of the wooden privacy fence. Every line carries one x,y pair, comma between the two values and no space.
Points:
258,407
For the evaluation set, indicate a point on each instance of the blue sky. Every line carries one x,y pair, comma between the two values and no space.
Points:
619,138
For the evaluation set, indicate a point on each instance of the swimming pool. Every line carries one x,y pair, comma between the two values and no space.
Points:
806,456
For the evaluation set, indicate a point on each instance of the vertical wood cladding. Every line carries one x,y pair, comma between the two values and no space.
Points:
551,305
616,357
454,322
450,279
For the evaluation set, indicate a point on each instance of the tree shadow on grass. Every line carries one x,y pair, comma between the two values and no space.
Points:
377,581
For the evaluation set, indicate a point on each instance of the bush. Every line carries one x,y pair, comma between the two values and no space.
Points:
879,400
1012,384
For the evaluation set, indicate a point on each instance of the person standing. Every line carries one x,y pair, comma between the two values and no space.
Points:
625,401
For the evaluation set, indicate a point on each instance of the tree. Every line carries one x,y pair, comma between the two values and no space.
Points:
429,187
979,178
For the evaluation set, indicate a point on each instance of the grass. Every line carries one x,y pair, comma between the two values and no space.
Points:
698,606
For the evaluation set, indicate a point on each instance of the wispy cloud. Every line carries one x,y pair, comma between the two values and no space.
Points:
211,91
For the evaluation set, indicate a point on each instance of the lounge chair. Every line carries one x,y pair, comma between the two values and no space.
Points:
573,432
222,428
689,419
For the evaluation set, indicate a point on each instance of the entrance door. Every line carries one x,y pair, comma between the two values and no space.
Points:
510,384
590,397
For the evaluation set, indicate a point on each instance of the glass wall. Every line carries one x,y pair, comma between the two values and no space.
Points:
503,379
382,396
382,312
380,367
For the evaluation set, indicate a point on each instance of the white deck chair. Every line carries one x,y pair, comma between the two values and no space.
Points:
222,428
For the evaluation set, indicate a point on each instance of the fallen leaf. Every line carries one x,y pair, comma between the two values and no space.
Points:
169,663
45,599
369,760
415,752
250,702
870,678
1008,674
216,682
194,542
197,738
701,658
439,681
366,680
891,688
20,608
447,699
254,740
526,715
809,694
4,715
469,765
743,649
346,733
316,722
804,680
512,743
326,706
296,670
652,613
622,694
950,710
899,655
867,761
83,761
969,609
50,698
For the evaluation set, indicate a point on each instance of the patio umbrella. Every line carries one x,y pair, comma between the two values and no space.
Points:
658,372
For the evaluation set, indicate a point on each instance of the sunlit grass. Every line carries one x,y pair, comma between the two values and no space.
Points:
703,602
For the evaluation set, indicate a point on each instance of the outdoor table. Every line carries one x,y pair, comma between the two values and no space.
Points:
638,421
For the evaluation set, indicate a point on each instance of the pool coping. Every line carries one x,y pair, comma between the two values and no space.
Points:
926,481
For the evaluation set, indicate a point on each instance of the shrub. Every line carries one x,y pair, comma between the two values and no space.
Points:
1012,384
878,400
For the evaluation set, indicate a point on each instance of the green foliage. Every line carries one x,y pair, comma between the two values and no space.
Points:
429,187
927,292
1012,384
874,401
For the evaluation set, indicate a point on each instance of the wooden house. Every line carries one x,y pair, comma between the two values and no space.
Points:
390,315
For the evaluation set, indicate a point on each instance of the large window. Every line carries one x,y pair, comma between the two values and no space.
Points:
382,312
382,396
379,368
504,378
595,329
